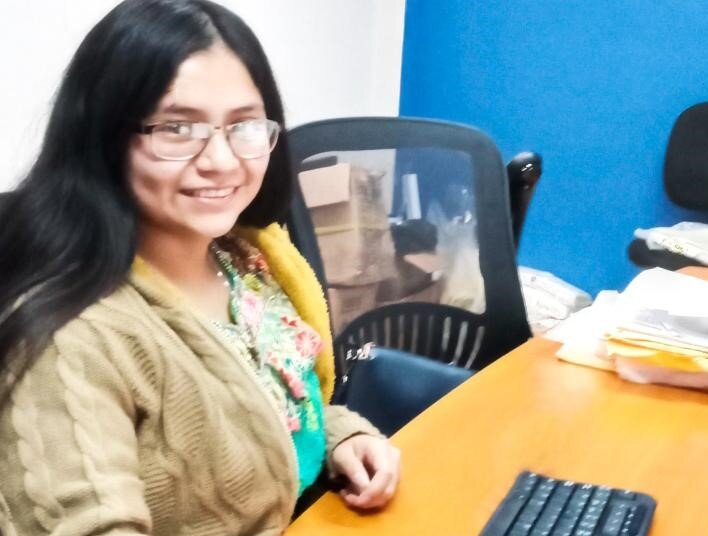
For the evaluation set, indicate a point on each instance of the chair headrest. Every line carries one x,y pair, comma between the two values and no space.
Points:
686,161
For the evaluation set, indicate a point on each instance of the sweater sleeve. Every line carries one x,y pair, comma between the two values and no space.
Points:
342,423
68,447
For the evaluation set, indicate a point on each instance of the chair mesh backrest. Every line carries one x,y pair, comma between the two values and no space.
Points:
686,162
409,210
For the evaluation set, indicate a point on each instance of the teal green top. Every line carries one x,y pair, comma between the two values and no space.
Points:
310,439
283,351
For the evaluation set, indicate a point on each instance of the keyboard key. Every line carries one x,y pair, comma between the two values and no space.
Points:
530,513
602,494
553,510
625,494
633,524
508,511
518,531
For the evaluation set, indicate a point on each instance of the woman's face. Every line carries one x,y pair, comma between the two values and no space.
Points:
202,196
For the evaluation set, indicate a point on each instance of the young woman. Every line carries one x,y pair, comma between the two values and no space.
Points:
165,351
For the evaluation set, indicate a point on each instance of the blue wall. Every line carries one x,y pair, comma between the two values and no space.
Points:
592,86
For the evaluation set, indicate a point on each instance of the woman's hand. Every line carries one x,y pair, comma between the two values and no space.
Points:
372,467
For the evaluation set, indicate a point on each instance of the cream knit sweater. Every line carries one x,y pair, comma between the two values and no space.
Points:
140,419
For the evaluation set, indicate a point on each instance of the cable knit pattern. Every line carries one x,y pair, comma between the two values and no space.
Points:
6,526
138,419
88,432
30,445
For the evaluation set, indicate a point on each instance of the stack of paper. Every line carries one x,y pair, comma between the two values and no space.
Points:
549,299
656,328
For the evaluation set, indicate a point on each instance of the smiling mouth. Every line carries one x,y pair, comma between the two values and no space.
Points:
210,193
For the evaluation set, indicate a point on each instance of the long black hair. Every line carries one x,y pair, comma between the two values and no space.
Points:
68,232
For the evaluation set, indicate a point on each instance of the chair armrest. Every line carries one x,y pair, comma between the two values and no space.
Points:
640,254
524,172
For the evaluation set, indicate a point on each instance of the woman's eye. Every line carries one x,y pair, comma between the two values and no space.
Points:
179,129
249,131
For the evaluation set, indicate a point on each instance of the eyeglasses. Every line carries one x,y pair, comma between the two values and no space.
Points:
182,140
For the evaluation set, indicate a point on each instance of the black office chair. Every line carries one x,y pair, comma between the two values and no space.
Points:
460,178
685,182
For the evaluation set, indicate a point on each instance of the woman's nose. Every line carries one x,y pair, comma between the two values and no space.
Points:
217,155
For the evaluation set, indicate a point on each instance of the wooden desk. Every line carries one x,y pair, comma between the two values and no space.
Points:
700,272
529,410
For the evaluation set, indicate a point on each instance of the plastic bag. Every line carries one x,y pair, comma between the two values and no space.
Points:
458,246
549,299
687,238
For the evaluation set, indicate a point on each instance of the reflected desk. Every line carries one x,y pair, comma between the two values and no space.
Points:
530,411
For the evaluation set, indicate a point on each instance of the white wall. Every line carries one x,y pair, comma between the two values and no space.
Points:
331,58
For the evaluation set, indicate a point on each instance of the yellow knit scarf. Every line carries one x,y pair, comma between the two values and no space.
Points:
298,281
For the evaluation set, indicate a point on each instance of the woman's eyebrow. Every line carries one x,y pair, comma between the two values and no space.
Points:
188,110
177,109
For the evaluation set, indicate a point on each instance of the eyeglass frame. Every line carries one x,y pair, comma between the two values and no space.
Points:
149,128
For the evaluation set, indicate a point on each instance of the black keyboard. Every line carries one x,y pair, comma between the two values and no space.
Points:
539,505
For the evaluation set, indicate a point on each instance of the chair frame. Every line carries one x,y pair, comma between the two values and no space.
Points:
440,332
